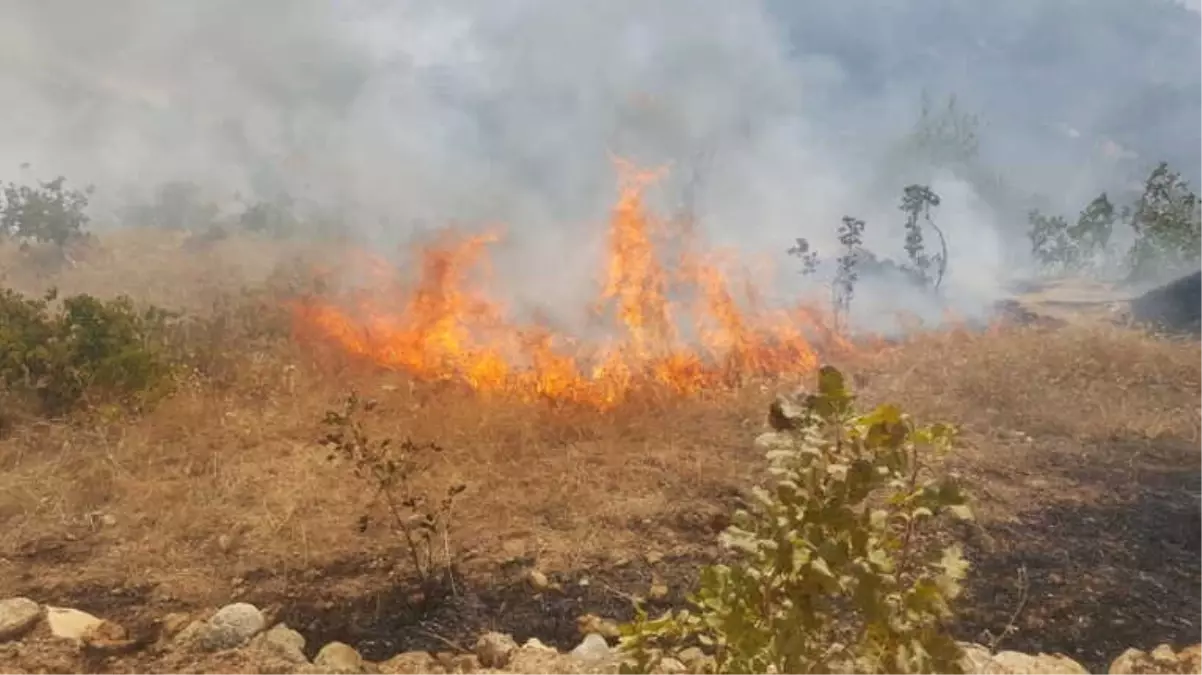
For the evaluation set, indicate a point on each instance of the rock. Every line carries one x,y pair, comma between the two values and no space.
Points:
1162,660
536,645
653,557
107,637
18,616
592,649
658,591
976,657
411,663
538,580
494,649
591,623
70,624
173,623
338,657
232,626
1017,663
281,641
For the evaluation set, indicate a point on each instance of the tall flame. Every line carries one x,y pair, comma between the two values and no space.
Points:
444,326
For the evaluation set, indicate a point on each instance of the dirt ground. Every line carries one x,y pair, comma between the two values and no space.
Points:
1080,442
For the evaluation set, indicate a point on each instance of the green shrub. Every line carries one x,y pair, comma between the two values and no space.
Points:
87,350
834,567
1165,225
49,213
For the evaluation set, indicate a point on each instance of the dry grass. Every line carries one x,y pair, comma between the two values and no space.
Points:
223,483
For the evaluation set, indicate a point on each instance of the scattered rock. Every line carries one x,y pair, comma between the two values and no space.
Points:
592,649
1162,660
172,624
653,557
70,624
108,638
18,616
536,645
1042,664
338,657
591,623
232,626
977,661
281,641
411,663
658,590
538,581
494,649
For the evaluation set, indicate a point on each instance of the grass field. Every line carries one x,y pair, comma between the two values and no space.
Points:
1080,443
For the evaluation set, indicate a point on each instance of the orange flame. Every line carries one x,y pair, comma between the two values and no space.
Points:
444,326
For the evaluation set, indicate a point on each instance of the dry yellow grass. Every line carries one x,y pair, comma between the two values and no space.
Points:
226,483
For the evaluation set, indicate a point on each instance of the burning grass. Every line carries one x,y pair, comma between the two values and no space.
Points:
676,322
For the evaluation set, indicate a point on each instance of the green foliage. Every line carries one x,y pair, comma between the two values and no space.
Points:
924,270
834,569
49,213
88,350
851,238
917,201
1167,225
1086,244
394,471
1164,222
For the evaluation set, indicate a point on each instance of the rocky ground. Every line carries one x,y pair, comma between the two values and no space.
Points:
240,637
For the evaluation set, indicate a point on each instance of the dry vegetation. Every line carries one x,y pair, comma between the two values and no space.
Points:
1080,444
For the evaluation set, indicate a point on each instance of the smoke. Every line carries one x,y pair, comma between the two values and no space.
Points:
402,116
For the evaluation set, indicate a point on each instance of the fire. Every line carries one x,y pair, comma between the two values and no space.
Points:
444,326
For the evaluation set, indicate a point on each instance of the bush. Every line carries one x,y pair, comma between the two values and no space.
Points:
49,213
88,350
834,567
1165,225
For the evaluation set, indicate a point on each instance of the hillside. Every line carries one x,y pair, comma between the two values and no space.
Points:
1080,446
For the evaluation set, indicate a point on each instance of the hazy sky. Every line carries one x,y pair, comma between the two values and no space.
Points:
507,110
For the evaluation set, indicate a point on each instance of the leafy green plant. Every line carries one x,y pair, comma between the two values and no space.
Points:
394,470
49,212
834,569
88,350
